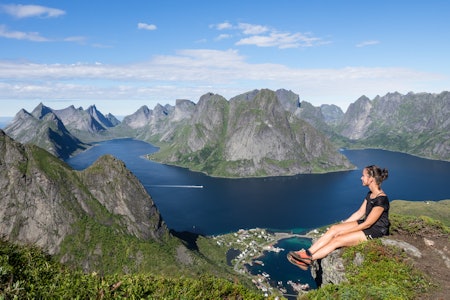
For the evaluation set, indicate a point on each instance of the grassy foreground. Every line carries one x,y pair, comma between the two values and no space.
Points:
28,273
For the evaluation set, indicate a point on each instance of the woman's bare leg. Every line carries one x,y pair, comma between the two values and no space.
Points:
326,238
346,240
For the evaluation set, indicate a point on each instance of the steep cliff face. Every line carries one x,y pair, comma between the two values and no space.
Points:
139,119
418,124
32,208
253,134
42,198
84,121
120,192
357,118
332,113
44,129
208,122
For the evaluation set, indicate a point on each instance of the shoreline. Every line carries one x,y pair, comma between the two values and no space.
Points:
253,245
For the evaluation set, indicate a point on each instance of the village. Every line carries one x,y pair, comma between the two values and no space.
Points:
248,246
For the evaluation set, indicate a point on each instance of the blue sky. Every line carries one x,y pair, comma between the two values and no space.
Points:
120,55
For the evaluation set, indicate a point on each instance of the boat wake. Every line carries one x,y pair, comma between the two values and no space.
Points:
175,186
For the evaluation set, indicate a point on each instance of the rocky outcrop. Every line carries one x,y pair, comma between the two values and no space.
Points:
42,198
121,193
331,269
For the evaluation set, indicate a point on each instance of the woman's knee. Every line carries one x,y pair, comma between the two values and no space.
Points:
333,228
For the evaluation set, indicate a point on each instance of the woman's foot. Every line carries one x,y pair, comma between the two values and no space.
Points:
298,263
303,255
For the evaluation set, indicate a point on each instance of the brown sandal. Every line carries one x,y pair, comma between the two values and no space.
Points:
301,264
303,255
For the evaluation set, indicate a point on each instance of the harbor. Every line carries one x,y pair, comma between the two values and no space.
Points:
257,254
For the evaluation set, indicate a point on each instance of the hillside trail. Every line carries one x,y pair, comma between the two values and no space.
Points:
435,260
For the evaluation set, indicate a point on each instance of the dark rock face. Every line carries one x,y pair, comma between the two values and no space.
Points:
254,134
331,269
42,197
44,129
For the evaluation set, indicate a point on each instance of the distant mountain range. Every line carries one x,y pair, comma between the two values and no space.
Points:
417,124
259,133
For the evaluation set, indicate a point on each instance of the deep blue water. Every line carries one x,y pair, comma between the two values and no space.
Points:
295,203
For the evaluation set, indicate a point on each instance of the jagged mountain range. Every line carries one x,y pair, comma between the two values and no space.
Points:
417,124
254,134
259,133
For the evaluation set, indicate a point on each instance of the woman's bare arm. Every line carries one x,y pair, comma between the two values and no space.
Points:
358,214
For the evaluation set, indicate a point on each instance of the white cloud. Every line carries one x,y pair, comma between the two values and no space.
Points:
280,40
367,43
19,35
263,36
27,11
222,26
146,26
223,37
76,39
252,29
191,73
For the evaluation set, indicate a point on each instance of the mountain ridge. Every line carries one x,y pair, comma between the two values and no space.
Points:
416,124
43,198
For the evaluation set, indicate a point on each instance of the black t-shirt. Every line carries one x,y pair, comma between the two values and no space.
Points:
382,224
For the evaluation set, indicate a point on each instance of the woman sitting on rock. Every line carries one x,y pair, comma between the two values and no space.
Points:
368,222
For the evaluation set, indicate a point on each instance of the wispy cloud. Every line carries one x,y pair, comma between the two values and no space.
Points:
26,11
76,39
223,37
367,43
280,40
191,73
251,29
222,26
146,26
20,35
264,36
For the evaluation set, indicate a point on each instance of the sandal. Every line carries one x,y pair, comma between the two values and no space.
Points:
298,263
303,255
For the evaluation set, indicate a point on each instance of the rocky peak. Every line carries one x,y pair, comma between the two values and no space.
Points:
121,193
40,111
112,119
47,132
357,118
183,110
288,99
210,111
42,197
99,117
332,113
138,119
246,96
